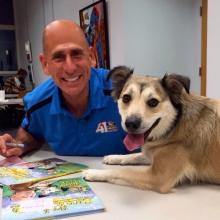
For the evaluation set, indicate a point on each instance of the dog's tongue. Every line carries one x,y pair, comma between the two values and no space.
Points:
134,141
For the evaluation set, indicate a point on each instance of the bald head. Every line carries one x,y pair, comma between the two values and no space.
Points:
61,32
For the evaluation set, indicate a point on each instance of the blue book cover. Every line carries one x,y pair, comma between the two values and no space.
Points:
49,198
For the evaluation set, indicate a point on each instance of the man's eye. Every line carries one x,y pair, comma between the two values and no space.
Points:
152,102
126,98
58,58
76,53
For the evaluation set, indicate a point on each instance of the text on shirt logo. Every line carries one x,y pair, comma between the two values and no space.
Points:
105,126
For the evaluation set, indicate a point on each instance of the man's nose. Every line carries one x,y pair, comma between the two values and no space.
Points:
69,64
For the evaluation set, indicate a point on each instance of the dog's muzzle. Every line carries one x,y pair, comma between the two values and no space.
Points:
132,123
133,139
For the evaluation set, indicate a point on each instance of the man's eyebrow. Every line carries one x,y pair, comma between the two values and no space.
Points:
74,51
77,51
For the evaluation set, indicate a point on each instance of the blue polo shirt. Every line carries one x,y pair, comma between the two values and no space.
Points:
97,132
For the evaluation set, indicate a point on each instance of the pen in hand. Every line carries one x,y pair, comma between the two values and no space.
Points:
9,144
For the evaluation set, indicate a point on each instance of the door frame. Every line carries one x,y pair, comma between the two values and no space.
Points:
203,70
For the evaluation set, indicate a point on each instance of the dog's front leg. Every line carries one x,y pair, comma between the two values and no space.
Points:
128,159
165,172
139,177
132,176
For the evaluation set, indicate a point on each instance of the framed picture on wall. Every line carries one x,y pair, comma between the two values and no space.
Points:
93,21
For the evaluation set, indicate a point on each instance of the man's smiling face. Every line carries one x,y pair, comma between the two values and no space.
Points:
67,59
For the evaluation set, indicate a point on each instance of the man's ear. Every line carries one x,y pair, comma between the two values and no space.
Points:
44,63
119,75
92,57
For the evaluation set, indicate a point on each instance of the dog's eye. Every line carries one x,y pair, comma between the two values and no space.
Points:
153,102
126,98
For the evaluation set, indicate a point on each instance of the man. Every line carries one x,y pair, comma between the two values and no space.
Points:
16,84
73,111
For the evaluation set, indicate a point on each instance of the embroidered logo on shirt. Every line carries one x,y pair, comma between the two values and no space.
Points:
106,126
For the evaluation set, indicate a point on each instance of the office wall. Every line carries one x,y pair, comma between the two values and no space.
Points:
21,30
163,36
213,49
30,21
153,36
69,10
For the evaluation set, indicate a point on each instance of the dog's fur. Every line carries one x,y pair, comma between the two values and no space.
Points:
184,145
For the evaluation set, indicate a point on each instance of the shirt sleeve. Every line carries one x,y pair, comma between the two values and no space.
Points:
29,123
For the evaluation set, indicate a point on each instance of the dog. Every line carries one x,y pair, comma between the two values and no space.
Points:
179,133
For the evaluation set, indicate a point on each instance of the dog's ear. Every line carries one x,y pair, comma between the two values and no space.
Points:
174,85
119,75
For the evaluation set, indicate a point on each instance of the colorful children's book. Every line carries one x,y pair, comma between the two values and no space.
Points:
37,171
10,161
49,198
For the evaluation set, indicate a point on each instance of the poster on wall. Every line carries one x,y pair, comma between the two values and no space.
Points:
93,21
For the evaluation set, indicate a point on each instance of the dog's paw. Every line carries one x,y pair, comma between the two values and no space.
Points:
94,175
115,160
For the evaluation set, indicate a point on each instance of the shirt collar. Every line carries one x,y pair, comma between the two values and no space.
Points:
57,106
96,95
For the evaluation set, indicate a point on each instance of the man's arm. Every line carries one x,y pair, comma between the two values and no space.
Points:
30,142
22,136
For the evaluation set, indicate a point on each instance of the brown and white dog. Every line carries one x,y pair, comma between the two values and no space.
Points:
179,133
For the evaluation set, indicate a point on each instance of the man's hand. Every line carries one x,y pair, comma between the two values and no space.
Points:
9,151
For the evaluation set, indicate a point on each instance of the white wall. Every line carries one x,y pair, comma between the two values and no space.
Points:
22,35
69,9
36,23
163,36
213,49
21,31
30,21
153,36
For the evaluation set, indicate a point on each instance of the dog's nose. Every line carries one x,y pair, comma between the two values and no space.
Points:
132,123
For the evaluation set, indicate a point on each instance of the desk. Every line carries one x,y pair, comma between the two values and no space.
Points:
11,102
11,96
125,203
